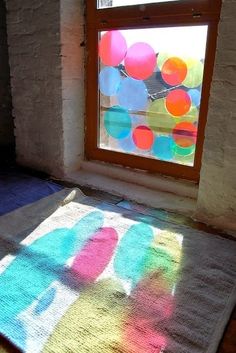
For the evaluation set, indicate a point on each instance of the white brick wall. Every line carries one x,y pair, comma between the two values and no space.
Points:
46,63
35,63
217,190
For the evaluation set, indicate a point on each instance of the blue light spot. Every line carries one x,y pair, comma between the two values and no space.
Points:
45,301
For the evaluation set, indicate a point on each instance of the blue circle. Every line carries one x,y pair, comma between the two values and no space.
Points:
109,81
133,94
127,144
163,148
117,122
195,96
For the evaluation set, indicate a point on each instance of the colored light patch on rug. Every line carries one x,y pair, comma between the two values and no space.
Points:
39,264
95,319
111,280
96,254
131,252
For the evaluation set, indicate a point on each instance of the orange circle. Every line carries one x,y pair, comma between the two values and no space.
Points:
178,102
185,134
174,71
143,137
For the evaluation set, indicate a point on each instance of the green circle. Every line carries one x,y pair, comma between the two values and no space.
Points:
159,119
183,151
161,59
184,155
191,116
195,73
117,122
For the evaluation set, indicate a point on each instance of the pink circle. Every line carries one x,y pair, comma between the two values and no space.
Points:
112,48
140,61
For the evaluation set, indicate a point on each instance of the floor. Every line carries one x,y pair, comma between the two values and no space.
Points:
228,343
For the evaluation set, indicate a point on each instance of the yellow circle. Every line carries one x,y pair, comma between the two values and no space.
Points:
159,119
195,73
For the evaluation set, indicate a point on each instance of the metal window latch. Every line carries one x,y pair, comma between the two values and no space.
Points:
197,15
103,21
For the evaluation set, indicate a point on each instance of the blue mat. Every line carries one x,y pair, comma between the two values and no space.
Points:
18,189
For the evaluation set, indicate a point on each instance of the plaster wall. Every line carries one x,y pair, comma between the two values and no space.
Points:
6,121
72,78
35,62
216,203
46,50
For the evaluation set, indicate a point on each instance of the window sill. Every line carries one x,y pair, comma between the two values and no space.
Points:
157,191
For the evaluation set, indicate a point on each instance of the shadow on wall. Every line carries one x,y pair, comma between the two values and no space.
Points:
6,119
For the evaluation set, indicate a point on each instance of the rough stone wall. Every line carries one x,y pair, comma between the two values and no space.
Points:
217,190
35,62
6,121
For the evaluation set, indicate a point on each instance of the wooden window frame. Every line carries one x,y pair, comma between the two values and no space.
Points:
179,13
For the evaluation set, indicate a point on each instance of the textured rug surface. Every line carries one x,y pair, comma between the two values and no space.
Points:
92,277
18,189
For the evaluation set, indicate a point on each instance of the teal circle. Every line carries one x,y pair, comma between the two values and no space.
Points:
117,122
163,148
184,151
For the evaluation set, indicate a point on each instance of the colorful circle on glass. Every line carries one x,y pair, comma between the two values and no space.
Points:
161,59
159,120
185,134
140,61
117,122
109,81
178,102
195,73
143,137
191,116
184,151
163,148
195,96
174,71
132,94
127,144
112,48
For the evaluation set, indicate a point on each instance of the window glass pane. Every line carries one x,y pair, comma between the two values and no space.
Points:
115,3
150,91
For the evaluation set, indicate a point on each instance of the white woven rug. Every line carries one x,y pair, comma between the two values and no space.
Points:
89,277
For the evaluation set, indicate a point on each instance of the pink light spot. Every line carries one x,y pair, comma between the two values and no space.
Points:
142,336
91,261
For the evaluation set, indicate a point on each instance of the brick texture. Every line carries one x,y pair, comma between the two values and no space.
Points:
35,63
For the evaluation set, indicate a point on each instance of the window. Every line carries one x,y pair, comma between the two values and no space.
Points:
149,70
116,3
